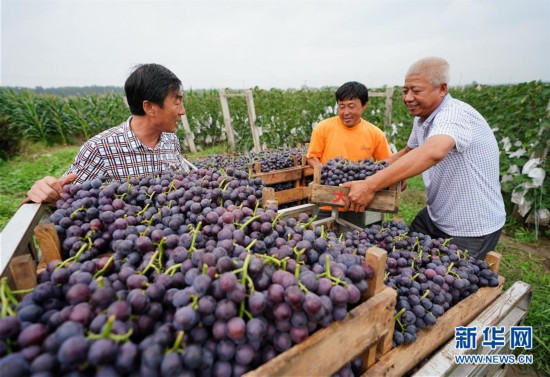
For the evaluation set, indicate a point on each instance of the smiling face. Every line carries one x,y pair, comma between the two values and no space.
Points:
168,116
350,111
421,97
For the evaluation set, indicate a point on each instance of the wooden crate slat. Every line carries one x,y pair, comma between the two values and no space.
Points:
48,240
328,349
337,196
292,195
17,235
308,171
22,272
280,176
403,358
493,258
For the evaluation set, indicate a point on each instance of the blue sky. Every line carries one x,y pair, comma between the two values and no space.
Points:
241,44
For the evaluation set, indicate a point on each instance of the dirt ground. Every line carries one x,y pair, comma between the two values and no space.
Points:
541,248
523,371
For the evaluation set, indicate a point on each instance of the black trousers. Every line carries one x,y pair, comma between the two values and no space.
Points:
477,247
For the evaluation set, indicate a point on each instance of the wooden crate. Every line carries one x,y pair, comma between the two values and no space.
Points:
386,201
292,174
328,350
366,330
298,194
19,257
403,358
509,309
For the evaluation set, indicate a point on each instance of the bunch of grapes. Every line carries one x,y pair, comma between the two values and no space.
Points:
429,275
337,171
278,159
271,160
192,287
98,216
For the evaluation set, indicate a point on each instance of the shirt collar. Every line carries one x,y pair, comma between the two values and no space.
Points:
135,142
446,99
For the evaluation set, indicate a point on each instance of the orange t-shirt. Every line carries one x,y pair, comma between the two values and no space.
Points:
331,139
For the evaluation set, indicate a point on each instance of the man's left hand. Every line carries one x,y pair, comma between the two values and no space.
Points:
360,195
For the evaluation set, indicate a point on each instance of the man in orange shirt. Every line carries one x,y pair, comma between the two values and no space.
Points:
350,137
347,135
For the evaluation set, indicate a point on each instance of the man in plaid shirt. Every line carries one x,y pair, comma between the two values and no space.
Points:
143,145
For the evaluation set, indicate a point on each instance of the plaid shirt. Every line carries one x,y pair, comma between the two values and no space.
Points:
118,154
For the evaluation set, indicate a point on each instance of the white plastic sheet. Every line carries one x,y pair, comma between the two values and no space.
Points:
519,153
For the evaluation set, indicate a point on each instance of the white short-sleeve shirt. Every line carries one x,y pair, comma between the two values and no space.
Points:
463,190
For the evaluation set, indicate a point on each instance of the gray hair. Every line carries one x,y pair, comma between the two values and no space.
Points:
437,70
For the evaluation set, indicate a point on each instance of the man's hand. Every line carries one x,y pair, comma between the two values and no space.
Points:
360,195
49,189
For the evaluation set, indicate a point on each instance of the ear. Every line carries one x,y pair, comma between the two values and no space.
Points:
443,90
149,108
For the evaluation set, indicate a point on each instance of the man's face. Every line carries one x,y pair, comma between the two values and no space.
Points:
350,111
421,97
168,116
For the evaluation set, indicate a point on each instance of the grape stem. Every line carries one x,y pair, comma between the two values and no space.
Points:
397,316
178,346
194,301
243,311
73,214
144,209
269,259
250,245
306,225
156,260
106,333
425,294
172,269
253,218
102,271
328,275
256,207
299,254
450,266
300,284
83,248
6,297
245,279
276,219
195,232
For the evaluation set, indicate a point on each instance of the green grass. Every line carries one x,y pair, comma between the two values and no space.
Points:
518,263
412,200
18,175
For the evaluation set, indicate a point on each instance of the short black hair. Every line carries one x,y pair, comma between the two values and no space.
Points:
149,82
352,90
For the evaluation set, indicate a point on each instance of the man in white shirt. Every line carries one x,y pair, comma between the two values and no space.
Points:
454,148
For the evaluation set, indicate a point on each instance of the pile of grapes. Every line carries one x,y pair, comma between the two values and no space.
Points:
199,280
275,159
186,274
337,171
430,275
272,160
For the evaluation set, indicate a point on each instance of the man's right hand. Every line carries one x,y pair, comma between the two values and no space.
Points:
49,189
